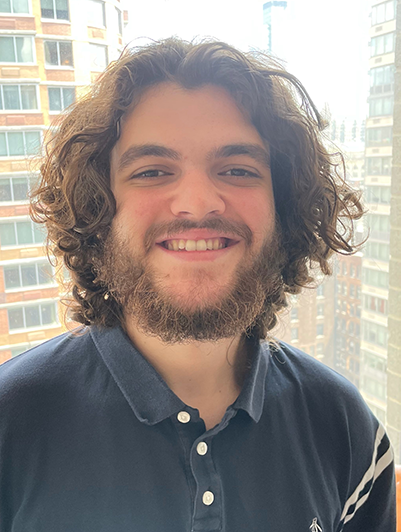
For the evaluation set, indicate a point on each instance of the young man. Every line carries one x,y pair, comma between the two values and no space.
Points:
187,194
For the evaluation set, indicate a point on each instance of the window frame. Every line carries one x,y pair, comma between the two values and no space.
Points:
25,154
61,88
103,46
32,262
59,66
23,13
14,221
19,85
10,178
39,304
59,20
33,49
104,25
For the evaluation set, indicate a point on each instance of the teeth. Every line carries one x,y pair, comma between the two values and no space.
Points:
195,245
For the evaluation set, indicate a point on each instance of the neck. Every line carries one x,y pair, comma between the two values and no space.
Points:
204,375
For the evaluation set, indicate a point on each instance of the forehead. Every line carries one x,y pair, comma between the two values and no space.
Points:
169,112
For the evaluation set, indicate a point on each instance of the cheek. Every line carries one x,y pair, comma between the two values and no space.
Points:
257,211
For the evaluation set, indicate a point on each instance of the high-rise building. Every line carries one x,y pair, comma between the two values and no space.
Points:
394,313
375,262
50,51
274,20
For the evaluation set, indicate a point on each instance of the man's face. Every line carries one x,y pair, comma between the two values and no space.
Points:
195,209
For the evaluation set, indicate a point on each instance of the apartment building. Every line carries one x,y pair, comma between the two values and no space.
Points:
375,262
50,51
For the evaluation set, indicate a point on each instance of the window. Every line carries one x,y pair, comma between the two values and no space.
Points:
383,12
19,143
320,290
21,233
375,304
294,313
379,166
381,106
375,278
60,97
32,316
28,274
14,188
377,222
320,310
14,6
379,136
319,350
374,387
58,53
377,250
18,97
96,14
319,329
55,9
383,44
374,333
16,49
294,333
381,79
98,57
119,21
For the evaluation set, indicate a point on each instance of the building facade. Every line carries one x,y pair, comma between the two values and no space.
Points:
50,51
377,193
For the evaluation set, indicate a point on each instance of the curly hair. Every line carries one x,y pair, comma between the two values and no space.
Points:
314,205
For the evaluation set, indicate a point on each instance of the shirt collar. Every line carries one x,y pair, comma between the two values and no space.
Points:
147,393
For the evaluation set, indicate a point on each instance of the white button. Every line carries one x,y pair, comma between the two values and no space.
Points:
201,448
208,498
183,417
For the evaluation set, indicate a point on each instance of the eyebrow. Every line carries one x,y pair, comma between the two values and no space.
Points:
146,150
256,152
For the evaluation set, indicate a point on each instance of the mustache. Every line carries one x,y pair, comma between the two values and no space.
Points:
174,227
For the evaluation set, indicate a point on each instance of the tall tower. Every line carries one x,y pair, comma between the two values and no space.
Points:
274,16
50,50
375,262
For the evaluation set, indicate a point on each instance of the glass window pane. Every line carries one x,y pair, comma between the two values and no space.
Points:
28,275
390,11
15,143
7,234
15,318
45,274
11,97
54,99
98,57
20,188
32,317
62,9
32,142
95,14
39,233
51,55
20,6
47,8
11,277
3,145
66,54
5,190
24,233
68,96
48,313
28,97
7,53
380,13
388,43
24,49
5,6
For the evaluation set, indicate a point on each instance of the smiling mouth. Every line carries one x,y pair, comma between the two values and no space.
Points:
210,244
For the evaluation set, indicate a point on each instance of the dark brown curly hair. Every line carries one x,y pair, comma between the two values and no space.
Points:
315,206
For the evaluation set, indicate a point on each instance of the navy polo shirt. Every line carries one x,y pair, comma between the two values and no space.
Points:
93,440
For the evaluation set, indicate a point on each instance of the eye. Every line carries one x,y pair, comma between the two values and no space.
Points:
238,172
150,174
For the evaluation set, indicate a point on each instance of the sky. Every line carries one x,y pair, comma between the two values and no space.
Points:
325,43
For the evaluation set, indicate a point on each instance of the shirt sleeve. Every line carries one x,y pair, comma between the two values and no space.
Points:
371,506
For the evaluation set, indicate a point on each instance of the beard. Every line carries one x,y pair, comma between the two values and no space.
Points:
249,305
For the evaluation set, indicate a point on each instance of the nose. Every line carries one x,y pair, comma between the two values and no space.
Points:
197,197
